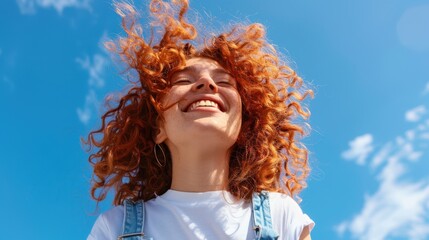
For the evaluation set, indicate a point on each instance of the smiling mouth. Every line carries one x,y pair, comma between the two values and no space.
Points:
204,104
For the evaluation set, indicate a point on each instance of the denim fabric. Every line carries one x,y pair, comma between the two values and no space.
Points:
133,221
135,216
262,217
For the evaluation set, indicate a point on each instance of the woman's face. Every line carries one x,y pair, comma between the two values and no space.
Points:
203,107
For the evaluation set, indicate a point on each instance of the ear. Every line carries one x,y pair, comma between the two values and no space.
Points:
161,136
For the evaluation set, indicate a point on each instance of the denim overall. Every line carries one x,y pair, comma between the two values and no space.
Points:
135,216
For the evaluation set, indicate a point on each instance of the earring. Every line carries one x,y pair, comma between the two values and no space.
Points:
163,154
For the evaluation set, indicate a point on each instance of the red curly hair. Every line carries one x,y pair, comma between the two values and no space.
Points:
268,154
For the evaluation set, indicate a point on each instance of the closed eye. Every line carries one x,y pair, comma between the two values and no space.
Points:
226,83
224,79
183,81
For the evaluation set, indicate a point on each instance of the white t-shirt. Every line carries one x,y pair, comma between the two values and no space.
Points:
207,215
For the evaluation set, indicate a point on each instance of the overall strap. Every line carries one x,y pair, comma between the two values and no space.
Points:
133,220
262,217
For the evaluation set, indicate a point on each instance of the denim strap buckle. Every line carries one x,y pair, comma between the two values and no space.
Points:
262,217
121,237
133,220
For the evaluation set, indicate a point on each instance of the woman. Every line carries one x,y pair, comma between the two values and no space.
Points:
203,145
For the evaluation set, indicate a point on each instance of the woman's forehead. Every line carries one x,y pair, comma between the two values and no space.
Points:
200,63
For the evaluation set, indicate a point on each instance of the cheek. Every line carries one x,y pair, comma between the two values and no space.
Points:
167,99
238,102
238,114
174,96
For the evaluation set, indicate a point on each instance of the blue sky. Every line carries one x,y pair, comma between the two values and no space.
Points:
368,61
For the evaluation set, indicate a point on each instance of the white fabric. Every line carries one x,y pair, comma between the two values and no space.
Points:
206,215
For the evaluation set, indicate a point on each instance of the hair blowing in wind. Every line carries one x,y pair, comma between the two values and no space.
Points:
268,154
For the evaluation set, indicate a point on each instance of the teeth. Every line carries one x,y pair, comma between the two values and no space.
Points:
203,103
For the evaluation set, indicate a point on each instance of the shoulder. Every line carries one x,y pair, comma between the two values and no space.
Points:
287,216
282,201
284,206
108,224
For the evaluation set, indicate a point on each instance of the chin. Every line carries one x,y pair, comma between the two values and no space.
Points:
207,131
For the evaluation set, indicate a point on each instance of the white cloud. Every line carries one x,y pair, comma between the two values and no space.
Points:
30,6
410,153
341,228
91,102
381,155
359,149
421,127
399,208
424,136
410,134
95,69
415,114
26,6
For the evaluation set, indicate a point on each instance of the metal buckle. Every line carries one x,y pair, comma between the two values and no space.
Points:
121,237
258,231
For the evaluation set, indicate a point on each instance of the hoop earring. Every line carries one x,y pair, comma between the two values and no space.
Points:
156,157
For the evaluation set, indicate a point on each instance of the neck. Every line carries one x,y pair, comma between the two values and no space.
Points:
199,171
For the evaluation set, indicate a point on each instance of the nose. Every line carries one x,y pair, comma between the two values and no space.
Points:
205,83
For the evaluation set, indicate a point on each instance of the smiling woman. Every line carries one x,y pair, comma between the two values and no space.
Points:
203,145
201,126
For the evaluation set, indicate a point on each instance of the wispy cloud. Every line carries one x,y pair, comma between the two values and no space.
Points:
31,6
96,67
359,149
426,91
84,114
415,114
399,208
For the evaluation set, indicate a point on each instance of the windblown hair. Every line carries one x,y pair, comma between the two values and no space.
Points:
268,154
